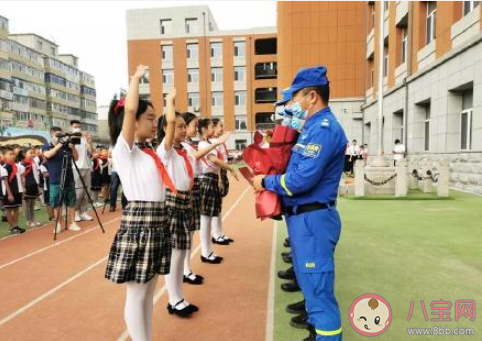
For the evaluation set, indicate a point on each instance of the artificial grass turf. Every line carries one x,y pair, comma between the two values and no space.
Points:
403,250
40,215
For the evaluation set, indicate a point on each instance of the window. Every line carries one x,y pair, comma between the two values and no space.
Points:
404,44
39,45
168,77
191,25
240,123
239,49
239,73
167,53
193,99
469,6
431,20
266,95
240,98
216,50
372,15
427,127
267,70
192,51
217,98
53,51
166,26
193,76
385,61
265,46
216,74
466,120
240,144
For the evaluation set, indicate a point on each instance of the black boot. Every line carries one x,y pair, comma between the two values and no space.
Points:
300,321
288,259
287,242
286,254
287,274
290,286
296,308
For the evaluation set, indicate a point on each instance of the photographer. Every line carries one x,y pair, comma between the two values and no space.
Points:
84,148
54,154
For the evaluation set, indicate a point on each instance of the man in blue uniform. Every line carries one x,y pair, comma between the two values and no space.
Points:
309,190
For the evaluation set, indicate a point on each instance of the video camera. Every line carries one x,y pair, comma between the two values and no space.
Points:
69,138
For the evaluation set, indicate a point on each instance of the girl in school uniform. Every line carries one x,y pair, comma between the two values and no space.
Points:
141,250
180,164
209,190
31,180
13,190
100,179
218,237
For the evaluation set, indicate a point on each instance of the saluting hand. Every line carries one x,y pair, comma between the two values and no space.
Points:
170,112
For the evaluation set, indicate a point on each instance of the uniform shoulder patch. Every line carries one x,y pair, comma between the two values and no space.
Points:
325,123
312,150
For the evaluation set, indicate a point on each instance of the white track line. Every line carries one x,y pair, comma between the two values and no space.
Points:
3,266
271,291
162,291
50,292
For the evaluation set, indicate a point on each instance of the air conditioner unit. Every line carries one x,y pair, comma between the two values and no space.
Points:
196,109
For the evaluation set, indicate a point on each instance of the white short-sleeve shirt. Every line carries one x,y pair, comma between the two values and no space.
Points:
399,148
197,163
3,178
138,173
206,165
176,167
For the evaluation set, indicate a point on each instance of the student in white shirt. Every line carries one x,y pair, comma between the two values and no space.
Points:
209,187
142,247
398,152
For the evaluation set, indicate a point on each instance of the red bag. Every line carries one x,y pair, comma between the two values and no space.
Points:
270,161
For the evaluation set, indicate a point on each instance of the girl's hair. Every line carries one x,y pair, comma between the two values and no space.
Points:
203,123
189,117
216,121
20,155
162,126
116,117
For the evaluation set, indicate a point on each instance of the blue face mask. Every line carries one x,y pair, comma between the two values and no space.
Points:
298,112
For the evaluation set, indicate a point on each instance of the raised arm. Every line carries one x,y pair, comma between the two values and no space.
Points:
170,120
223,165
132,104
203,152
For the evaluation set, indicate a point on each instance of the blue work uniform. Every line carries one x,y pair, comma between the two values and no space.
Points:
312,177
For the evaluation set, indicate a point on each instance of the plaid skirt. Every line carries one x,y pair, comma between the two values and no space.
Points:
196,205
179,219
210,196
142,246
225,181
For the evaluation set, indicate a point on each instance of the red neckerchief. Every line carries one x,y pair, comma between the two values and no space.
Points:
14,170
28,163
161,169
182,152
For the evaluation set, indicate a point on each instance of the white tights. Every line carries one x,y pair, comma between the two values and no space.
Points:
205,235
138,309
187,258
175,277
217,227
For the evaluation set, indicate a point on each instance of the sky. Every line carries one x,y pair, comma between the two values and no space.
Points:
95,31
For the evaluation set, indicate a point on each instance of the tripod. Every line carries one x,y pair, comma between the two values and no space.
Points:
66,165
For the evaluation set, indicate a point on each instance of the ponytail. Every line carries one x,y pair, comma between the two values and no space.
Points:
116,116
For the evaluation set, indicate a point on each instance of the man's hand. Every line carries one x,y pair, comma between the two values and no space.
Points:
257,182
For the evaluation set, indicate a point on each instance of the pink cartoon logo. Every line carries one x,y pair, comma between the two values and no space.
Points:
370,315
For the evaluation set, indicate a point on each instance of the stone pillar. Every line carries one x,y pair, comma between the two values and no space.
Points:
412,181
443,178
427,184
359,178
401,188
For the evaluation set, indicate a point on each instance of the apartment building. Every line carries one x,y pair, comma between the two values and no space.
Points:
40,88
231,75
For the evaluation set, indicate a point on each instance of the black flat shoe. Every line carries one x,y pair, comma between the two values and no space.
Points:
296,308
287,274
193,279
209,260
290,286
184,312
219,241
17,230
300,321
228,239
288,259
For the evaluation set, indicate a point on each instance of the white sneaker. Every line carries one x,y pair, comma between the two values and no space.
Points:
58,228
77,217
74,227
85,217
